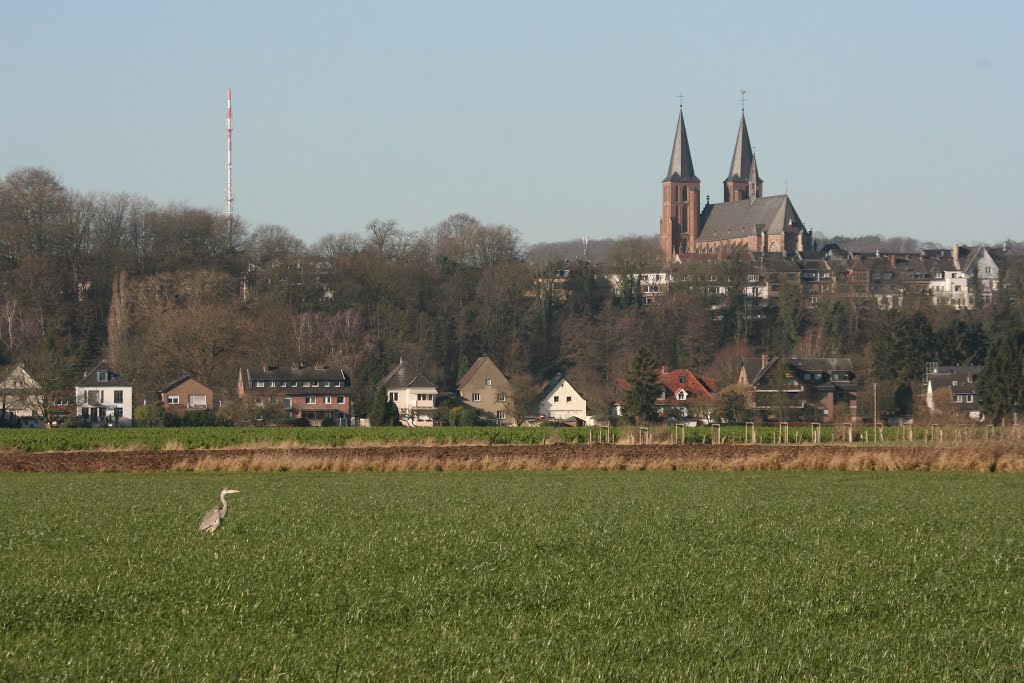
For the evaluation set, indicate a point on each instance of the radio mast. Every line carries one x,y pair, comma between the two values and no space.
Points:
230,197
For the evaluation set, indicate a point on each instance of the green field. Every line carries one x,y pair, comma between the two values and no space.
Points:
156,438
513,576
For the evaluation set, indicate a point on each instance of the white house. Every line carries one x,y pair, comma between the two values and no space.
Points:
103,397
560,401
413,394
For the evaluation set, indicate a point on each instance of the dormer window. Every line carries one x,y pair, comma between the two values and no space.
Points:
103,376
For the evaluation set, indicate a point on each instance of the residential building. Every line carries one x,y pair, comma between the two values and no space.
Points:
20,394
812,389
413,394
104,397
952,390
560,401
485,389
186,393
314,393
682,392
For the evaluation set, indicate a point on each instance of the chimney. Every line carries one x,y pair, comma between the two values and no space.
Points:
296,365
955,253
892,260
764,360
319,366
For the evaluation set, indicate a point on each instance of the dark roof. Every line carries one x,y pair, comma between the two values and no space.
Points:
299,374
965,377
404,375
730,220
284,377
680,164
92,378
744,165
756,374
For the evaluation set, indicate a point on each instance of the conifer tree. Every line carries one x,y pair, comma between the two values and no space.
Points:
638,403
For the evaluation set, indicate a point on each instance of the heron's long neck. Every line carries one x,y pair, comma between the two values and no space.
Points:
223,504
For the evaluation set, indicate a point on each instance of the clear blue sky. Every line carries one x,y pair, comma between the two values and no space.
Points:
557,118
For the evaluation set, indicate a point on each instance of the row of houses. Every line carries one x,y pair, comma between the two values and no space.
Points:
814,389
957,277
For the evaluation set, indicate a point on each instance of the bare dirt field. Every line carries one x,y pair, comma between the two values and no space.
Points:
987,458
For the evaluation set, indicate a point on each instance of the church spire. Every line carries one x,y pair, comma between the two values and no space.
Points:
743,181
680,165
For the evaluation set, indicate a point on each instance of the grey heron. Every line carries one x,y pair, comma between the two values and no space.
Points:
212,519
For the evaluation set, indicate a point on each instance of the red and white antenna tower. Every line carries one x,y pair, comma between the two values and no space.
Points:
230,197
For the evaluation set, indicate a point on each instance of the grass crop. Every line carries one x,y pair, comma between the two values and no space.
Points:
191,438
513,576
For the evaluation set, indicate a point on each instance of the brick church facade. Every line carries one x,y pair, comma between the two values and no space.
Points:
746,218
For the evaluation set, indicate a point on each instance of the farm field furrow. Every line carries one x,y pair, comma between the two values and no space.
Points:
513,575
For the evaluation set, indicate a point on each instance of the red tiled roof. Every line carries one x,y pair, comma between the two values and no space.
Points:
674,380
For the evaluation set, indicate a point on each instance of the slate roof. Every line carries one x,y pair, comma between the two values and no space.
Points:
965,376
732,220
680,164
178,381
404,376
91,378
744,165
283,378
827,366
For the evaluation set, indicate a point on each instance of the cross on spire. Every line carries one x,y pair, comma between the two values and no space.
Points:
680,96
743,101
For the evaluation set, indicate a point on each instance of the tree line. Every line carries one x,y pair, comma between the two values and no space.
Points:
159,290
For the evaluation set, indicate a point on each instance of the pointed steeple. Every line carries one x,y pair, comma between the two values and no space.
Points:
743,181
680,165
743,155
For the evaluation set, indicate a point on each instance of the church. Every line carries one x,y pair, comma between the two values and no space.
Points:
746,218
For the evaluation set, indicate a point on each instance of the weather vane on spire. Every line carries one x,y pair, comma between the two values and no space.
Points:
743,101
680,96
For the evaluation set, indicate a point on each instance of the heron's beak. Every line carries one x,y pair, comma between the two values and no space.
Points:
232,491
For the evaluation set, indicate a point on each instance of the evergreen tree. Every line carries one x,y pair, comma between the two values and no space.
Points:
638,404
392,418
1001,384
379,409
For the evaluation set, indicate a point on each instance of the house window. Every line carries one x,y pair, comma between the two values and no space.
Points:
487,382
556,399
568,399
501,398
959,399
476,397
341,400
316,384
197,401
294,384
287,402
327,400
259,384
681,395
306,383
173,400
970,398
393,396
118,396
337,384
310,399
103,376
751,278
500,414
429,397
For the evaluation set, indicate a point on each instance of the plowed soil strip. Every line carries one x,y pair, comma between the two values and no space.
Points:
550,457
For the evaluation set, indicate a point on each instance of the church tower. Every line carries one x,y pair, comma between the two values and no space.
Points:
680,212
743,181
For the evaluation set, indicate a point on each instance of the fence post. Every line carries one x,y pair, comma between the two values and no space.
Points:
716,434
784,431
816,432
